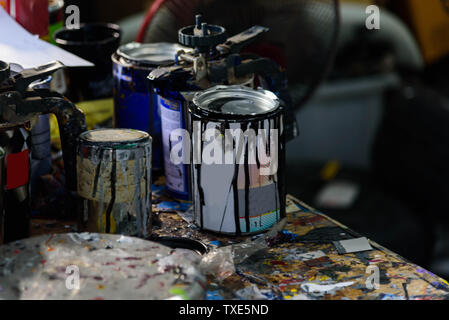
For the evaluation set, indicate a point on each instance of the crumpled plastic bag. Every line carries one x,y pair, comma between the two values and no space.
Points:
221,262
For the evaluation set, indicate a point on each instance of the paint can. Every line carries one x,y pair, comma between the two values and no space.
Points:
94,42
237,160
114,181
135,104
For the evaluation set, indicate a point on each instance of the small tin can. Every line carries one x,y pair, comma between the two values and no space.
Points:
237,160
114,181
135,104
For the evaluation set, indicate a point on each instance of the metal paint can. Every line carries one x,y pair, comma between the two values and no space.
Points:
172,107
135,104
238,160
114,181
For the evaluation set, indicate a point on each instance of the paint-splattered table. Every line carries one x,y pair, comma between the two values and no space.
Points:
303,262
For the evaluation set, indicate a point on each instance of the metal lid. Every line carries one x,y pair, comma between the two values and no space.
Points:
159,53
236,101
114,136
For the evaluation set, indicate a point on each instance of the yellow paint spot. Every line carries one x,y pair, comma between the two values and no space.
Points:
50,249
102,228
330,170
294,290
61,241
287,297
100,287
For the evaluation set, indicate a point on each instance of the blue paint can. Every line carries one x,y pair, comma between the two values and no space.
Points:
173,107
136,106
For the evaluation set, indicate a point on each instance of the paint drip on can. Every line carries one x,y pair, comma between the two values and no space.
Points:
114,181
237,160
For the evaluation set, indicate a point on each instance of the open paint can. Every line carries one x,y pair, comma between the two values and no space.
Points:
94,42
237,160
135,103
114,181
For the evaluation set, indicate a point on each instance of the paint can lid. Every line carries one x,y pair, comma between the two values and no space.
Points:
160,53
113,137
236,100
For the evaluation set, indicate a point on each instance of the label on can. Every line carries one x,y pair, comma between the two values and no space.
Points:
175,174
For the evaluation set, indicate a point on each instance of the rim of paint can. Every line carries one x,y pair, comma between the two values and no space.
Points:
154,54
114,137
236,101
65,36
181,243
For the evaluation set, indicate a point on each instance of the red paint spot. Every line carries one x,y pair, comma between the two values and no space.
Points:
277,262
132,266
97,298
16,251
43,262
117,259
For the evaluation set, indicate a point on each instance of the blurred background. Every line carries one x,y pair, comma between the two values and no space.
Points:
372,105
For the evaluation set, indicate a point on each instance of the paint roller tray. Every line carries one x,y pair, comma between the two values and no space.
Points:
96,266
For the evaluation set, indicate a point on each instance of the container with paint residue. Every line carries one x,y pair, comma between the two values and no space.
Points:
237,159
135,103
114,181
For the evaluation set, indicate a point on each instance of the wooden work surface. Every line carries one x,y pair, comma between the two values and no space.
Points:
302,263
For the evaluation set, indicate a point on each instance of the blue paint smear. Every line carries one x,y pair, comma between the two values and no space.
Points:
289,236
389,296
173,205
213,295
215,243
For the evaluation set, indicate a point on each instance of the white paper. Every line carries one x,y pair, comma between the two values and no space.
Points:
356,245
337,195
19,46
